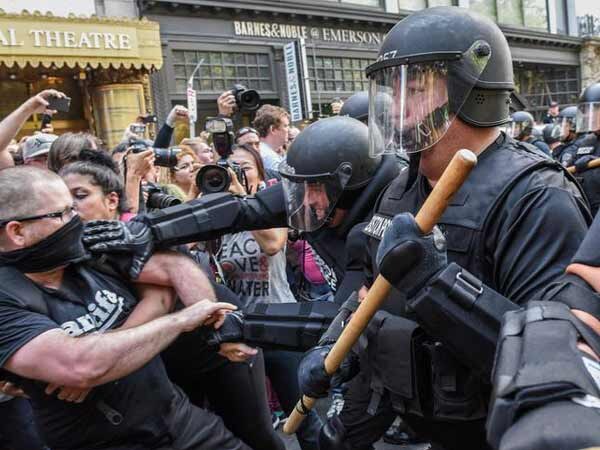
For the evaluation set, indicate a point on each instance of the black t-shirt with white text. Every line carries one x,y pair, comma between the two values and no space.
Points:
89,301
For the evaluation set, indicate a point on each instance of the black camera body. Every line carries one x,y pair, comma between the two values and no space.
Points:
163,157
246,99
214,178
157,198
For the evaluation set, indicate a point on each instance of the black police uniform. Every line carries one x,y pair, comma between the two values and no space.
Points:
539,143
587,150
495,227
141,410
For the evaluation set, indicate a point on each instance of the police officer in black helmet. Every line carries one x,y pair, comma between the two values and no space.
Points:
450,91
521,129
566,153
586,147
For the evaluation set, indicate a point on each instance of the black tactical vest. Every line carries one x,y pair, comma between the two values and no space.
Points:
473,208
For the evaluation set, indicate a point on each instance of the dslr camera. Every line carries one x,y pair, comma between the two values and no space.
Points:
163,157
246,99
214,178
157,198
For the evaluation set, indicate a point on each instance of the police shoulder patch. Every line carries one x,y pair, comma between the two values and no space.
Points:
585,150
377,226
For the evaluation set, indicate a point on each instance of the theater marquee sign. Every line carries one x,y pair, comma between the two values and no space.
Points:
286,31
45,39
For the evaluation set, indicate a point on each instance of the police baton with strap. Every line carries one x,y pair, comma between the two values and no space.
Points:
451,180
591,165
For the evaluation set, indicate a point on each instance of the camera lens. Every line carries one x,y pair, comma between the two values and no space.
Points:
166,157
212,178
250,100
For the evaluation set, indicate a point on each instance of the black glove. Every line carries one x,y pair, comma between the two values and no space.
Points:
232,330
312,377
111,236
407,258
581,163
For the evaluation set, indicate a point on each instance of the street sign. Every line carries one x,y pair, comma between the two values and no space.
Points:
191,104
293,81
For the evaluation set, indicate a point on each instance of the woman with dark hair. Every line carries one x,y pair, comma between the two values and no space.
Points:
67,147
97,191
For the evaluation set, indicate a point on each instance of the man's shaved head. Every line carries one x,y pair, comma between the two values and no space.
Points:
20,189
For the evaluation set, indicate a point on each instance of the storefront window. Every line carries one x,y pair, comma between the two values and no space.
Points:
510,12
415,5
485,7
540,84
221,70
536,13
331,74
528,13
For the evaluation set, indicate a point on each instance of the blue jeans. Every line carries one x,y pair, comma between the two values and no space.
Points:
282,369
17,427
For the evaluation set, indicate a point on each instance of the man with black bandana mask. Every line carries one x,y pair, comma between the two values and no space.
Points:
56,306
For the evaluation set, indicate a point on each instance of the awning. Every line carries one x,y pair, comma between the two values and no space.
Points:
44,40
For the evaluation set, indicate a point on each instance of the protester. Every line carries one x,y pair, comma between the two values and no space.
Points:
248,136
36,148
102,379
205,154
183,175
67,147
272,124
11,124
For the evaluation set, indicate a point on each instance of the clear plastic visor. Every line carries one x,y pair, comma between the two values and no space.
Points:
411,106
516,129
588,117
311,199
566,126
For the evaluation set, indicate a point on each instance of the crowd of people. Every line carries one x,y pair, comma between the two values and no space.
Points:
160,296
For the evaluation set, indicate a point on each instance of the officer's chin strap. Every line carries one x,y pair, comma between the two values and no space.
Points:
413,169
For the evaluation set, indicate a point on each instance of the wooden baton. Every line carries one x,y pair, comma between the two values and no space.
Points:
591,165
451,180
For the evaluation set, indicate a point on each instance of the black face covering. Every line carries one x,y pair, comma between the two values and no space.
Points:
61,248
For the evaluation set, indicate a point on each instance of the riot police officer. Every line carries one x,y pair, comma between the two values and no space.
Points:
587,145
450,91
521,128
551,135
357,107
564,153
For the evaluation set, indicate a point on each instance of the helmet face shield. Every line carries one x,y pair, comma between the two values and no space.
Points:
424,98
517,130
566,127
588,117
310,199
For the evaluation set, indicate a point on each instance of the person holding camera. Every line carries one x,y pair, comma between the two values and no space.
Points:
10,126
183,174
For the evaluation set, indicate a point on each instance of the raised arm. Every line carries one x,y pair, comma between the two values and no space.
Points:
96,359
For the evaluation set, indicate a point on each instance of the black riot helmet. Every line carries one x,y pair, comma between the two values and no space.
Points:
521,125
327,161
588,110
551,133
357,106
567,124
436,64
